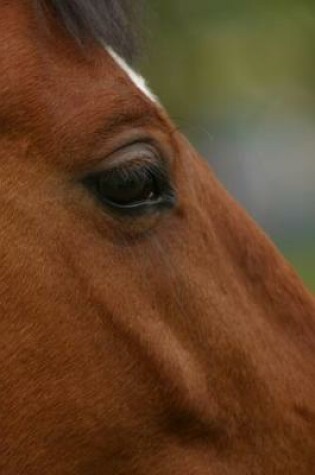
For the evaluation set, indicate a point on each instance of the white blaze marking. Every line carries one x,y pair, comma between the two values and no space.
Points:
138,80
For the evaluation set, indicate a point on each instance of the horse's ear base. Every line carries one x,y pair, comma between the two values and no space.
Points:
109,22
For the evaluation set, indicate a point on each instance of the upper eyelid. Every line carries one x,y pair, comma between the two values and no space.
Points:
116,158
140,171
157,166
130,143
99,155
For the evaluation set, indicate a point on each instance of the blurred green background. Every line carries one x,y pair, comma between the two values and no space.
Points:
239,78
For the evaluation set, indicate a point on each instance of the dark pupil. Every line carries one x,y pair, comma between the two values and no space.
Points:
124,189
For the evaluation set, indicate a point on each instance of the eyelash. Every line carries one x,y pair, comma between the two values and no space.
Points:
140,171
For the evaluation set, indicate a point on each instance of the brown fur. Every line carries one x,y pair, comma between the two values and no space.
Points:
179,345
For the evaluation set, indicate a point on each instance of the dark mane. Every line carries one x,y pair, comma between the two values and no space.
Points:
107,21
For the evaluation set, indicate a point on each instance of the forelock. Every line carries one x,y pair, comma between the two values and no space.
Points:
110,22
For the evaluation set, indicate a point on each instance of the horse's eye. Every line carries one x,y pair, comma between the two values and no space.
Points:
134,182
125,188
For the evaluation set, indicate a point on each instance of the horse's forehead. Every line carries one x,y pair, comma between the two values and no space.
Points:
27,37
39,89
136,78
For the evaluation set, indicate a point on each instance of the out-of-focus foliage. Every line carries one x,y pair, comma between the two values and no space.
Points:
208,55
239,78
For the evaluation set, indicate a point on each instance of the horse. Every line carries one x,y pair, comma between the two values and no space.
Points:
148,326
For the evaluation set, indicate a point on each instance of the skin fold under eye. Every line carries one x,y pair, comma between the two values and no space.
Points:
134,181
